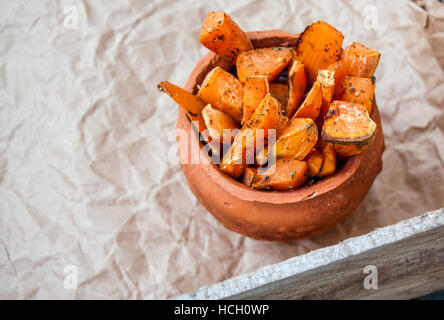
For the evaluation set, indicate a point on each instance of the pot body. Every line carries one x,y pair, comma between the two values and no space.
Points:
276,216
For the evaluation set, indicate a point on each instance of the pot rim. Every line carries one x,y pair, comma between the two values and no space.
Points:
234,187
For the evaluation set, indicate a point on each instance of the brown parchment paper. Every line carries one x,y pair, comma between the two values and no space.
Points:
85,141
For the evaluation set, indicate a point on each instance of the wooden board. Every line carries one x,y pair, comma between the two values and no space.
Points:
409,257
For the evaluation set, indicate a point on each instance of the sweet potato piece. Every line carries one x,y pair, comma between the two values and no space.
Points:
349,150
318,47
249,176
314,161
327,80
348,123
222,35
218,122
357,61
233,162
266,116
264,61
312,103
255,90
329,160
280,92
224,92
192,104
262,156
282,125
296,140
358,90
287,174
297,83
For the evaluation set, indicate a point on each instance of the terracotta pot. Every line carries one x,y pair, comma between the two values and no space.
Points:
274,215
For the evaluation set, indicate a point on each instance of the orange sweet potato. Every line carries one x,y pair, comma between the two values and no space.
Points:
312,103
357,61
280,92
348,123
264,61
218,123
314,161
296,140
242,151
327,81
282,125
222,35
266,116
233,162
318,47
224,92
358,90
329,160
255,90
192,104
267,119
297,83
286,174
262,156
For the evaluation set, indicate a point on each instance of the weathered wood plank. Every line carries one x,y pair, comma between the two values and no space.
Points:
409,257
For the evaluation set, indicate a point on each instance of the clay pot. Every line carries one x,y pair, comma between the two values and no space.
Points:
273,215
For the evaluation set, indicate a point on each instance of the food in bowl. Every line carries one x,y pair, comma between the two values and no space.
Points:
282,117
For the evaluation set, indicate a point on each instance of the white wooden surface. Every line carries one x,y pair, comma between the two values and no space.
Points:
409,257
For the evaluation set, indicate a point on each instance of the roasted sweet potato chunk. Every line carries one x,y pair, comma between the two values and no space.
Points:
357,61
286,174
264,61
312,103
224,92
329,160
255,90
280,92
267,119
327,81
314,161
233,162
242,151
218,123
222,35
296,140
282,125
266,116
192,104
348,123
358,90
297,83
262,156
318,47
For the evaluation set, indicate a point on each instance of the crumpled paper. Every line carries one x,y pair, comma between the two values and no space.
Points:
91,205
